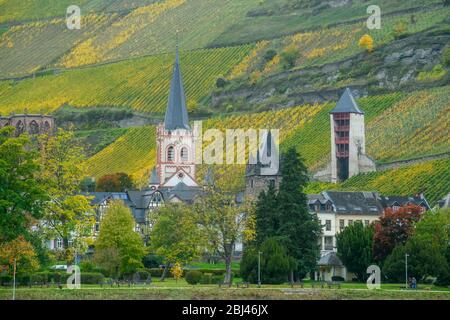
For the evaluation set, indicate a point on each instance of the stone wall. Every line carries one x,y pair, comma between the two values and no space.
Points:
31,123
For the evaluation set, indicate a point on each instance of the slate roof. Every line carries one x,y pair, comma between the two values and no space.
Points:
355,202
330,259
389,201
444,202
347,104
154,178
176,114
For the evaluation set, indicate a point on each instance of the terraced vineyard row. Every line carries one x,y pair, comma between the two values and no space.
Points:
132,153
416,126
25,49
432,177
141,84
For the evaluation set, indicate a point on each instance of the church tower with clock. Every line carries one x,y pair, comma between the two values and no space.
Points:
175,138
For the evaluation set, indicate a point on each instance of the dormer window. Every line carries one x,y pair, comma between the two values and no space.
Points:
171,154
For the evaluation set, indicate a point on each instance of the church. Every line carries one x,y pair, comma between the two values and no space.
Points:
173,180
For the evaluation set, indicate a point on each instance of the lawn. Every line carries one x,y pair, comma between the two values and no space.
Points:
171,289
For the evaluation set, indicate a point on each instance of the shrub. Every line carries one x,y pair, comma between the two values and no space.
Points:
5,279
40,277
269,55
193,277
207,278
275,263
221,82
446,56
216,279
152,261
92,277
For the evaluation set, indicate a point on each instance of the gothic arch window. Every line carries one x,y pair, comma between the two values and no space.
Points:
46,126
171,154
20,127
34,127
184,154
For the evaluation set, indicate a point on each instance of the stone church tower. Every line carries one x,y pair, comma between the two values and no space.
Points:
348,140
257,177
175,139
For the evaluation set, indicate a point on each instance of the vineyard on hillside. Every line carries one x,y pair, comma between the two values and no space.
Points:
432,177
333,44
141,84
28,48
277,17
133,153
416,126
152,30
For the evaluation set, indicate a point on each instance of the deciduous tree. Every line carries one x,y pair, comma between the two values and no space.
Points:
67,215
117,237
21,196
223,221
175,235
393,228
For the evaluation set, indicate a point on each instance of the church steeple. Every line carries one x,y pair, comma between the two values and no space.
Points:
176,113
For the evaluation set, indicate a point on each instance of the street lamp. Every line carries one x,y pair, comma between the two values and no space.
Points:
14,281
406,270
259,269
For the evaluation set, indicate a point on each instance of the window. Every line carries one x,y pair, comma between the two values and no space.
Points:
350,222
184,154
341,224
328,207
328,225
59,243
328,245
366,222
171,154
359,221
272,183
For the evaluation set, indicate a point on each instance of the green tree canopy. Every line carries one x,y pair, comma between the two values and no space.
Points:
175,235
68,215
275,263
118,247
354,248
299,231
21,196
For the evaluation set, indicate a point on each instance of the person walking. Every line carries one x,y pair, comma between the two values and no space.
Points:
414,283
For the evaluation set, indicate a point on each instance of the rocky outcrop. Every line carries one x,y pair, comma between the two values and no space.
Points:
389,68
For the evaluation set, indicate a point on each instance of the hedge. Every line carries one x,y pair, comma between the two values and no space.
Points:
92,278
193,277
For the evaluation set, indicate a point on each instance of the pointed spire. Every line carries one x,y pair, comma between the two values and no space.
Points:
209,179
176,113
347,104
154,179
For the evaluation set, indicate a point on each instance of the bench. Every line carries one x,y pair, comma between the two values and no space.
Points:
331,284
299,283
318,284
242,285
222,284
